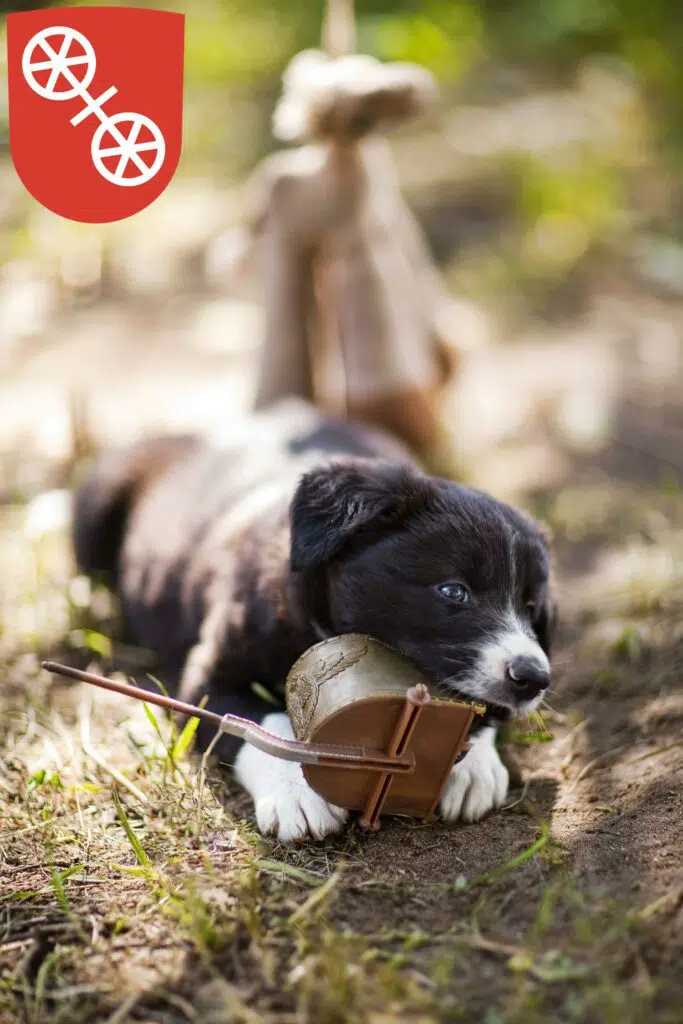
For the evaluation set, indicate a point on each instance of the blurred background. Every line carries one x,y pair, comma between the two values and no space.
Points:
547,181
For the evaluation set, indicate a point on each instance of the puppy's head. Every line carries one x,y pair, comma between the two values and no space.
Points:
456,581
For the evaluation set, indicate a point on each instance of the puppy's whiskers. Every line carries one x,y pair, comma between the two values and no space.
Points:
450,687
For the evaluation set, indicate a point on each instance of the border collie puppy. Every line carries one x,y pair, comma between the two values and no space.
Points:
233,559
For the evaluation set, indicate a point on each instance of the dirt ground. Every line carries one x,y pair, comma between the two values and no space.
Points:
133,886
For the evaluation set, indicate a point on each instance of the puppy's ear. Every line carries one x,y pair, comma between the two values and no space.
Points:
545,622
337,503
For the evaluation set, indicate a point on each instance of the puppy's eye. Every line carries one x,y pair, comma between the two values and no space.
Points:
531,607
457,592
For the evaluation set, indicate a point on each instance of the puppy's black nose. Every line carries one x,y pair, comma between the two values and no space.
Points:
528,677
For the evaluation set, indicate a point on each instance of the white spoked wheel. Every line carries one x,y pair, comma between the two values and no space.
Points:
66,55
117,137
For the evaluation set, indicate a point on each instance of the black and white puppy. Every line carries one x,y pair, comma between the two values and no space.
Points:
232,560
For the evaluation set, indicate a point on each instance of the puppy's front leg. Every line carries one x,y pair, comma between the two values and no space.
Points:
478,783
285,804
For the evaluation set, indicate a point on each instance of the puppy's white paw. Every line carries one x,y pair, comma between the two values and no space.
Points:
293,811
284,803
478,783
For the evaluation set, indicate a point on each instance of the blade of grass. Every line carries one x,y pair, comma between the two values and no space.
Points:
315,900
126,869
116,775
60,893
169,747
75,869
46,968
121,1013
162,689
654,753
137,846
182,744
265,695
523,738
514,863
158,683
19,895
151,717
57,878
275,867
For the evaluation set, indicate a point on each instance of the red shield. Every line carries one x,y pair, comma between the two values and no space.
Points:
95,107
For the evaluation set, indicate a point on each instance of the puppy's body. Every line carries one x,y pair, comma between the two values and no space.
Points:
196,540
231,561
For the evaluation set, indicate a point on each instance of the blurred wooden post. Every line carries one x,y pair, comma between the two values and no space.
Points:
339,28
346,274
286,366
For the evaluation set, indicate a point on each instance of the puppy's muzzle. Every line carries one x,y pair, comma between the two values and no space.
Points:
527,677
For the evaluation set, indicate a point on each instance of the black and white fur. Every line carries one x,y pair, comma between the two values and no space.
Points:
233,559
